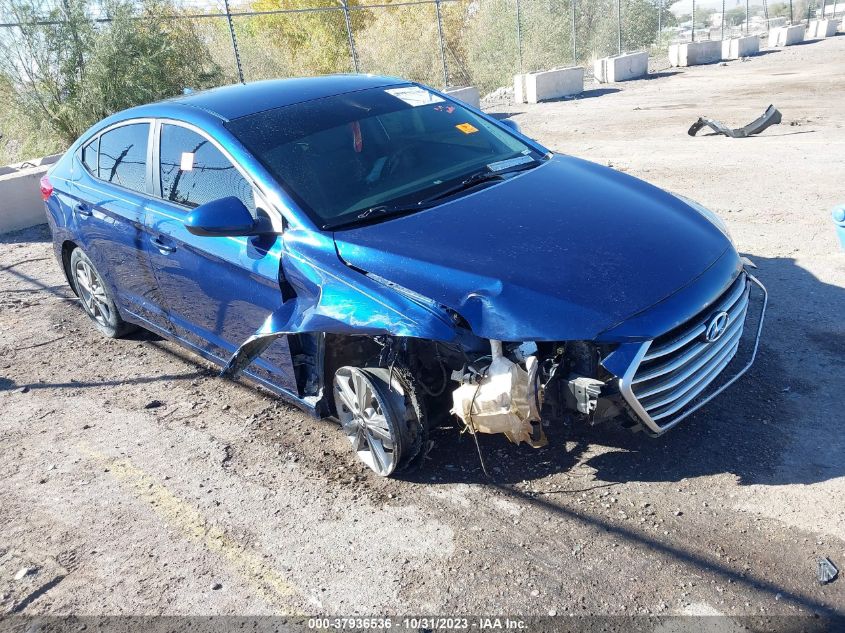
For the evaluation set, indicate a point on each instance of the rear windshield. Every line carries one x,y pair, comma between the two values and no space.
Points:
342,155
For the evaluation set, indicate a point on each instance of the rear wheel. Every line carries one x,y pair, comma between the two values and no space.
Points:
95,296
381,417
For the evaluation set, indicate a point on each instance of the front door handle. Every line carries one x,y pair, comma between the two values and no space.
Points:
83,210
163,248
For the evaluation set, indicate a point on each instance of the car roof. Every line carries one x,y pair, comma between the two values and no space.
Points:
238,100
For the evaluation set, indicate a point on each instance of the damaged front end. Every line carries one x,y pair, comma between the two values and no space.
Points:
389,363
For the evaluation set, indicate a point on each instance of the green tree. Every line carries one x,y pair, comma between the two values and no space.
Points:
405,41
312,42
66,70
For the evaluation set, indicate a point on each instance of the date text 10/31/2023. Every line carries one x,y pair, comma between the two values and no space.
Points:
419,623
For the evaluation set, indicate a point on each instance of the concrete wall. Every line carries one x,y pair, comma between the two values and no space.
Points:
786,35
739,47
621,67
32,162
467,94
20,199
549,84
695,53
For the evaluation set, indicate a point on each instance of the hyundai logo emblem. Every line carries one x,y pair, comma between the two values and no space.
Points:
717,326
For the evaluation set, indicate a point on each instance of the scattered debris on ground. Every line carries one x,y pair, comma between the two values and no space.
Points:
771,116
827,571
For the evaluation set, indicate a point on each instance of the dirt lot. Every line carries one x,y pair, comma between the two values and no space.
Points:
224,500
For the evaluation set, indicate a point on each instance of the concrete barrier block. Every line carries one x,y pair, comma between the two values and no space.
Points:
554,84
820,29
695,53
519,88
621,67
786,35
467,94
21,205
739,47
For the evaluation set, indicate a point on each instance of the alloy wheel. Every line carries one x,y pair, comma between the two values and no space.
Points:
93,293
368,419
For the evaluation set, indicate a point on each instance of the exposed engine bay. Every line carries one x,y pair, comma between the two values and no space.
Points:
491,387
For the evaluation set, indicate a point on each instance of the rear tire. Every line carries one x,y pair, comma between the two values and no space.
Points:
95,296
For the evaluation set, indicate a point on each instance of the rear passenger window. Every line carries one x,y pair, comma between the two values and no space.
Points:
123,156
194,171
89,156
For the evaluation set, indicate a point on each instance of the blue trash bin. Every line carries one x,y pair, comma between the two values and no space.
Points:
838,214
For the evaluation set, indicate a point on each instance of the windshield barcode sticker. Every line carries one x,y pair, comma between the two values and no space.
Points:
511,162
414,96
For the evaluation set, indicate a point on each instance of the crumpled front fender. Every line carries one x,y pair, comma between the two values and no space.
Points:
330,297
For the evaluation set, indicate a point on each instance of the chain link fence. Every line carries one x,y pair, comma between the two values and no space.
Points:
460,42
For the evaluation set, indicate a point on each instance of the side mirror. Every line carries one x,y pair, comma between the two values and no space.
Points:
512,125
226,217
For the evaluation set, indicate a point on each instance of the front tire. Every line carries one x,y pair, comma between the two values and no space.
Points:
381,417
95,296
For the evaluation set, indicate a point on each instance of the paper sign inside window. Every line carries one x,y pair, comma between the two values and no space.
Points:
187,163
414,96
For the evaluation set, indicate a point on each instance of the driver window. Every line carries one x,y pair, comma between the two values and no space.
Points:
194,171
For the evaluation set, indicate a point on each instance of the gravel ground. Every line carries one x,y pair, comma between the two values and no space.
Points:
224,500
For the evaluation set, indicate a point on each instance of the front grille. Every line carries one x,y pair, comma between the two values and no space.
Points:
670,378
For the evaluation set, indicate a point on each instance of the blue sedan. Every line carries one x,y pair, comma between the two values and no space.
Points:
374,251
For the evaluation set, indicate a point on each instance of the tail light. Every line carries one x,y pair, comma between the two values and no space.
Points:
46,188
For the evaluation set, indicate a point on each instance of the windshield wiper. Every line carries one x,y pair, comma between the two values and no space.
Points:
479,178
380,212
383,211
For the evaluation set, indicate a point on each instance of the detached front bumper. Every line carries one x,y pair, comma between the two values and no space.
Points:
664,380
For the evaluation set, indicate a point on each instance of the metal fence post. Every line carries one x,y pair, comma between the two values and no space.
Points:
619,26
659,20
234,41
442,44
574,36
352,52
692,32
809,8
748,16
791,17
723,19
519,33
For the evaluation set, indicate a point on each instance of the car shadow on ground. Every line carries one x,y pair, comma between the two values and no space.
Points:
776,425
38,233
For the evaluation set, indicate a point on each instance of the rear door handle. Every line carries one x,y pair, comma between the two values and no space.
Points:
163,248
83,210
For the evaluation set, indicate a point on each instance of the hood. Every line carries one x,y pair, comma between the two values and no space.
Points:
564,251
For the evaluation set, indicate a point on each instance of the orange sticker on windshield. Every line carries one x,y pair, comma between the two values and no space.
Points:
466,128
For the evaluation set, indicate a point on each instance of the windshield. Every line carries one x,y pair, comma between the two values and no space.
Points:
350,158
